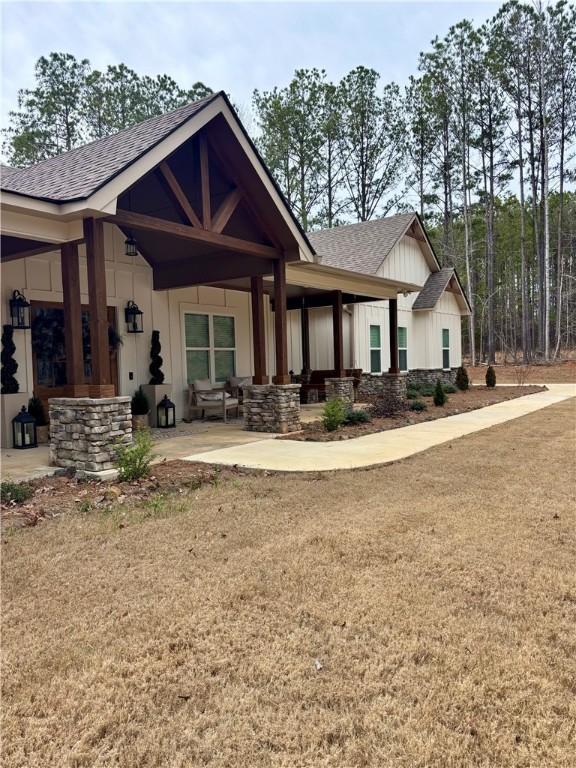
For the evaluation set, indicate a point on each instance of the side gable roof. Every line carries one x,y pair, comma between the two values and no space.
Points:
360,247
77,174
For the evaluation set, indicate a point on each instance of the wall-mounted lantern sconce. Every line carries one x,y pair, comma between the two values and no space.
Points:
19,311
133,315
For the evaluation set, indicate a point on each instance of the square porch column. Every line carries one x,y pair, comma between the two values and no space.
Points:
393,322
280,323
101,378
337,325
258,330
69,264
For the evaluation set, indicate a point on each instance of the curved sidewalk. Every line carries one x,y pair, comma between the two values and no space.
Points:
381,447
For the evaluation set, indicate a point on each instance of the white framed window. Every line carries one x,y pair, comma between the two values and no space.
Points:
445,348
402,348
210,345
375,349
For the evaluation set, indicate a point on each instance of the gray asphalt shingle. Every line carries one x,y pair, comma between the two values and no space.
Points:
433,288
80,172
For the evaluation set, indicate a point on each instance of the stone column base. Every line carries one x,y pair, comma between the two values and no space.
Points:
272,408
390,387
85,431
342,388
418,377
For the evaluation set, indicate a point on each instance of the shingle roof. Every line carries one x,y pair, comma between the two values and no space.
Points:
360,247
80,172
433,288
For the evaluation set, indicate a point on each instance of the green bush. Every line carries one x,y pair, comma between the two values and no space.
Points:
427,390
490,377
36,409
357,417
139,405
440,397
133,461
16,492
418,405
449,389
333,414
462,379
412,393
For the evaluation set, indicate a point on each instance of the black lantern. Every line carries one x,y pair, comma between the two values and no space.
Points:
133,315
24,430
166,413
19,311
130,246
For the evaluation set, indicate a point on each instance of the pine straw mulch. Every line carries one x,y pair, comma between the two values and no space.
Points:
63,494
459,402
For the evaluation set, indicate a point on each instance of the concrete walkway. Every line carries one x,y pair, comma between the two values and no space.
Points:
381,447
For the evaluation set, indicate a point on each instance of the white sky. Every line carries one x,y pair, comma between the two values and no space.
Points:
235,47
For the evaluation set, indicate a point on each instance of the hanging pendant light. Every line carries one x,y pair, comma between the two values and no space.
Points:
130,246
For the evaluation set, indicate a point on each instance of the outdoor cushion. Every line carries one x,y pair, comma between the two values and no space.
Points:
202,384
213,396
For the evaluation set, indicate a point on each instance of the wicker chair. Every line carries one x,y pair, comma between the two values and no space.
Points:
203,396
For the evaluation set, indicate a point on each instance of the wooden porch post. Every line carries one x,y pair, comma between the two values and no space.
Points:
280,323
101,380
69,265
258,332
393,321
337,323
305,323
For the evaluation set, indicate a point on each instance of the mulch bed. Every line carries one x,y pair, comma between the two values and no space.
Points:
459,402
57,495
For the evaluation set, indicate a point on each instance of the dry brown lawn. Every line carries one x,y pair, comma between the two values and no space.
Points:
421,614
551,373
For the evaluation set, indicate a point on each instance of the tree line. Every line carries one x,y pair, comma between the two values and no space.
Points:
480,141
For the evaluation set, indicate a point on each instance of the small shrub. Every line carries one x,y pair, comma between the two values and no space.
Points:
357,417
418,406
521,374
15,492
36,409
490,377
156,361
449,389
333,414
440,397
139,405
412,393
427,390
462,379
133,461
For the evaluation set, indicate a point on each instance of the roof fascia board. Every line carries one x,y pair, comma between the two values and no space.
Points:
312,275
34,227
12,201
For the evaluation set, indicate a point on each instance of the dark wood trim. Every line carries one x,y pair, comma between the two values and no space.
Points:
338,330
72,306
178,194
258,330
221,266
48,248
205,182
305,324
316,300
186,232
393,324
94,237
227,208
280,324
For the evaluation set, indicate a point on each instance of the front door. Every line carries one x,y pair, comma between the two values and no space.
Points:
49,350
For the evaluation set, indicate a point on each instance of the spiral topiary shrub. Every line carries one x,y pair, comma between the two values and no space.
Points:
156,373
490,377
462,379
10,384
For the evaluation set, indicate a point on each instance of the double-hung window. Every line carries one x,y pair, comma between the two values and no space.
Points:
445,348
402,348
210,342
375,349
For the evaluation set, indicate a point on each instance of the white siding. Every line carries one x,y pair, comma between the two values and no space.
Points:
406,262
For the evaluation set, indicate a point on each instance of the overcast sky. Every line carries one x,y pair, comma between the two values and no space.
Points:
235,47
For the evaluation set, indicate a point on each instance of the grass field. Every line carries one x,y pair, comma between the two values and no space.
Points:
417,615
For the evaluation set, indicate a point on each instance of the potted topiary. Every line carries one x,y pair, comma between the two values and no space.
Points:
156,389
490,377
36,409
140,410
12,398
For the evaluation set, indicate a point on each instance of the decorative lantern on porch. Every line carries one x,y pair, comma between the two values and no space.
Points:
133,315
24,430
166,413
130,246
19,311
